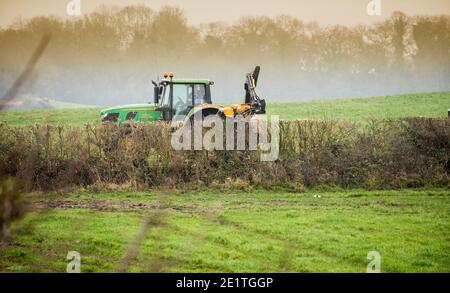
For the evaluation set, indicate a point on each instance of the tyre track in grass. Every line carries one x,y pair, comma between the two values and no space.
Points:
199,236
163,263
158,218
290,246
284,262
155,218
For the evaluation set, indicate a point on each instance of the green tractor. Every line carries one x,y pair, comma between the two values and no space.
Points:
180,99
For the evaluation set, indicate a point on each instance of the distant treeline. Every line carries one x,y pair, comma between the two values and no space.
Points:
110,56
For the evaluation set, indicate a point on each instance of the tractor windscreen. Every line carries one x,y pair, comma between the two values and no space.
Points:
185,97
110,117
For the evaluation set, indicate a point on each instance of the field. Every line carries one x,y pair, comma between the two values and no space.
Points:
244,228
357,109
259,231
360,109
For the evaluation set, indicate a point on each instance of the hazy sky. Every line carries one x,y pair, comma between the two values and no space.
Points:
325,12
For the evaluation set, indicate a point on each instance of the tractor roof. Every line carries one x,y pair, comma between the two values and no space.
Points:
188,80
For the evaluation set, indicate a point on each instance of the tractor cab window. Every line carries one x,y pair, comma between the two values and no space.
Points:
110,117
165,103
131,115
165,99
199,94
182,98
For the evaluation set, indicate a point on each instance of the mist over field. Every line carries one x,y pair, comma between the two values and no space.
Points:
110,56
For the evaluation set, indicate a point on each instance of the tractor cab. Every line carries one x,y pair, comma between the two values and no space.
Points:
177,97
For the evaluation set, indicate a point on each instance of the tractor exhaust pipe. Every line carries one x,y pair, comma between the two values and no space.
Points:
155,92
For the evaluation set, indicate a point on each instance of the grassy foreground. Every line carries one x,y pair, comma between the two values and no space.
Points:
357,109
259,231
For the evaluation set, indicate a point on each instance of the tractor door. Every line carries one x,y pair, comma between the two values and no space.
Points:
186,97
179,99
182,98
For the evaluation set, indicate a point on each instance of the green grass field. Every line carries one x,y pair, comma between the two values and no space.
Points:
259,231
75,116
357,109
360,109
